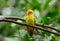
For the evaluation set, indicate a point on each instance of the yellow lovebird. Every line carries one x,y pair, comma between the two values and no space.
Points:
30,19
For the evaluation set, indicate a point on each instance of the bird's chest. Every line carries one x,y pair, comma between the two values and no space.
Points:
30,20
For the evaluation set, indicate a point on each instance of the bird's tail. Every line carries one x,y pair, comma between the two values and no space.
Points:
30,31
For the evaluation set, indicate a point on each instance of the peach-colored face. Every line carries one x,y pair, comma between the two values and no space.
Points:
30,12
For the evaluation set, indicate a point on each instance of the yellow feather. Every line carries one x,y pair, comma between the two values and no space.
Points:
30,19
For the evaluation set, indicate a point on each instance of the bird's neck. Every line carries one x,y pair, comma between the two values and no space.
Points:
30,15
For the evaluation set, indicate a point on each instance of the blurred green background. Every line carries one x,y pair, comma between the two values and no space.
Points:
46,12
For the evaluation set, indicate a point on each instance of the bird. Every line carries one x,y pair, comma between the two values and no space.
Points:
30,19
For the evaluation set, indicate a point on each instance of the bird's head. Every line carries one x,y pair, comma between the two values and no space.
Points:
29,12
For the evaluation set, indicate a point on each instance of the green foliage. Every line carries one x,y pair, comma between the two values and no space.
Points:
46,5
47,15
16,3
7,30
26,38
35,4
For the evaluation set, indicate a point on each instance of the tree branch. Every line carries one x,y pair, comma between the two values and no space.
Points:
45,26
12,21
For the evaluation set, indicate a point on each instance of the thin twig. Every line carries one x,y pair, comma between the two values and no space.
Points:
45,26
11,21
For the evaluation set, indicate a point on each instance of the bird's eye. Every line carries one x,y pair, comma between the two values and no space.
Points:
30,12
